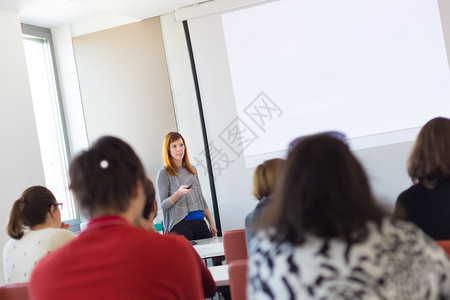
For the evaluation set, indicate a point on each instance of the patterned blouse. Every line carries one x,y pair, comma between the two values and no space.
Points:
396,261
20,256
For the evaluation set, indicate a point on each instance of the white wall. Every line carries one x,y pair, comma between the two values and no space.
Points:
125,87
386,168
20,160
184,98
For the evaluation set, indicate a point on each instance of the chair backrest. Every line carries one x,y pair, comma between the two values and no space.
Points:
237,272
14,292
234,245
444,244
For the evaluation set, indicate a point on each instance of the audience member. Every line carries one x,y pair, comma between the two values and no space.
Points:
112,258
150,207
264,180
146,222
324,236
35,229
427,202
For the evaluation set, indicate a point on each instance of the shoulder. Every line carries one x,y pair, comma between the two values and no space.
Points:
404,232
9,245
162,170
176,241
249,218
56,233
174,247
64,234
261,243
411,194
55,237
162,174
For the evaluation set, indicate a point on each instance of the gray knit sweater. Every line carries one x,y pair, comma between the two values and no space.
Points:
167,186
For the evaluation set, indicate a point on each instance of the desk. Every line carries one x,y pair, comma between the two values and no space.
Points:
220,275
208,248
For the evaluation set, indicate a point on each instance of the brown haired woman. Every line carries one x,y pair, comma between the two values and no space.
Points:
36,229
324,236
264,180
427,202
182,201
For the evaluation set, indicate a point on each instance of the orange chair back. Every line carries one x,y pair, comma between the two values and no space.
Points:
237,272
14,292
444,244
234,245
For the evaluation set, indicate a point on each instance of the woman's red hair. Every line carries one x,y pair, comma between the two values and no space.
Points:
171,168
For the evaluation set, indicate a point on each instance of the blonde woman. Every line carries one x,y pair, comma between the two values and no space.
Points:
264,181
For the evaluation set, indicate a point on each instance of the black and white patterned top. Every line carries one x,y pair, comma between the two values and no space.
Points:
396,261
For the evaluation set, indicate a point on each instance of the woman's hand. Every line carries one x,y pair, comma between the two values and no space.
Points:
213,229
184,189
65,225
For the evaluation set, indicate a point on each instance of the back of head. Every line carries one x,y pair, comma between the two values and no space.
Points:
29,210
265,177
429,161
323,191
149,190
103,177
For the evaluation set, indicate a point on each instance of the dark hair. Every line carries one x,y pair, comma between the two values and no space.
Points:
429,161
265,177
29,210
149,190
323,191
103,177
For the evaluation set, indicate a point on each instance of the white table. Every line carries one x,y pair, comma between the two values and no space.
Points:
208,248
220,275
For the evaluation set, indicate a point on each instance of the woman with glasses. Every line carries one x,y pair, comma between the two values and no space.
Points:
35,229
325,237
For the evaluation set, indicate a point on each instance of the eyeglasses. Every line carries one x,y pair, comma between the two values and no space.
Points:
58,204
334,134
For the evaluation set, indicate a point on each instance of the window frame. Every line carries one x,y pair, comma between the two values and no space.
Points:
41,32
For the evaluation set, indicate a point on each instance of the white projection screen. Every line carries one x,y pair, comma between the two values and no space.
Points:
375,70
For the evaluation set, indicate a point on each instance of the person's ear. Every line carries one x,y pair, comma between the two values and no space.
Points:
153,211
154,206
137,189
52,211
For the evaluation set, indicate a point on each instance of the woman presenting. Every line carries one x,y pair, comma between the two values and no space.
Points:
182,201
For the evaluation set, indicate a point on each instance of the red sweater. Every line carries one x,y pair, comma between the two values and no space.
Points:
111,259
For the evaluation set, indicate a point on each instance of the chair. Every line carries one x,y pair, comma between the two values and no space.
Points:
237,272
234,245
444,244
14,292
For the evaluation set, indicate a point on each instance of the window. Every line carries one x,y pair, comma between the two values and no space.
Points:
49,117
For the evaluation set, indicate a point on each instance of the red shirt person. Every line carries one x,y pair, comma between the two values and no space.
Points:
112,259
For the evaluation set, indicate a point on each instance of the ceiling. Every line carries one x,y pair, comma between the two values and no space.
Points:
52,13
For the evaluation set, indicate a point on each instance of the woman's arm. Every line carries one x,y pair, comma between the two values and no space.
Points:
163,187
212,227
